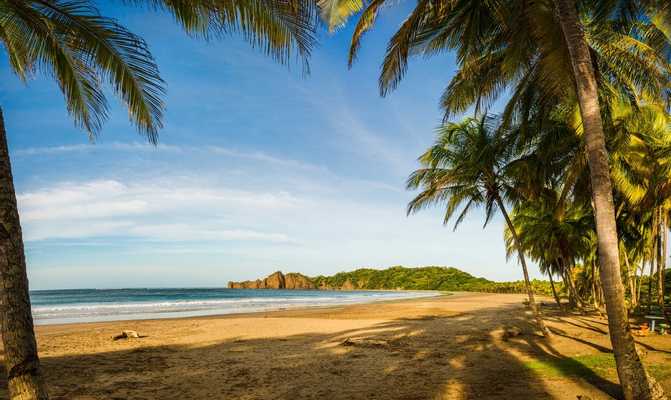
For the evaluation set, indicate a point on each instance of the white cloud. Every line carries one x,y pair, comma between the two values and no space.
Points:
147,210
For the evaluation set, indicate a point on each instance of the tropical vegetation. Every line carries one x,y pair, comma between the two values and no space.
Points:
569,65
425,278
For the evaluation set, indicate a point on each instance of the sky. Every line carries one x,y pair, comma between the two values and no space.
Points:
259,168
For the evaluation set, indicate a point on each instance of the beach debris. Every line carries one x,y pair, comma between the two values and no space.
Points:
370,343
510,332
127,334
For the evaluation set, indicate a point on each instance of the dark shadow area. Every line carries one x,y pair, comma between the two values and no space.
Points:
430,357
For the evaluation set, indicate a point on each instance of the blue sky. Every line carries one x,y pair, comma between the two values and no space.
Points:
259,169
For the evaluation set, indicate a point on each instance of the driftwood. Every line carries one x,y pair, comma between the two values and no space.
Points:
370,343
127,334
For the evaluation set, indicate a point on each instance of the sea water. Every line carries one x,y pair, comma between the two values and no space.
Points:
89,305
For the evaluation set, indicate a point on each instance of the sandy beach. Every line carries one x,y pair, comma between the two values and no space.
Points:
448,347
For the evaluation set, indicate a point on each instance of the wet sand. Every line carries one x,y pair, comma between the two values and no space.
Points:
447,347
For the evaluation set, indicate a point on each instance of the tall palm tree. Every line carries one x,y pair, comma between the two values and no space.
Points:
466,167
80,48
543,45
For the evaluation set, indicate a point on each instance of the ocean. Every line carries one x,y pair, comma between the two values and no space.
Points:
90,305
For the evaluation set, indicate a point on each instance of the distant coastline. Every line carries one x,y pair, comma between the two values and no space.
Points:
392,278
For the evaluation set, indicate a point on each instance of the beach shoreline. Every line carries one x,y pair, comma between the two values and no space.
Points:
442,347
257,302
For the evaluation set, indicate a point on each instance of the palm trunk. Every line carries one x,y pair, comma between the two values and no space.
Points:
661,244
571,298
554,291
532,301
650,280
577,300
662,282
639,282
636,383
595,299
16,322
631,277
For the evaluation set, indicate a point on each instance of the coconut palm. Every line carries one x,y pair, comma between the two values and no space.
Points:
465,167
642,173
541,46
81,49
554,234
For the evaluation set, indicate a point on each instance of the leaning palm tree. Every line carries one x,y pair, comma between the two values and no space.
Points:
546,44
81,49
465,167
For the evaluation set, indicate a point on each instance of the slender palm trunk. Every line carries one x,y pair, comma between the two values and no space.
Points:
554,291
21,363
639,282
573,290
650,280
662,282
532,301
571,296
661,255
631,277
636,383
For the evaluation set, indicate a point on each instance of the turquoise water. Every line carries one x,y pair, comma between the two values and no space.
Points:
88,305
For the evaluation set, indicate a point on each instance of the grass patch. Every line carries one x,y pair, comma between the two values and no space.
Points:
601,365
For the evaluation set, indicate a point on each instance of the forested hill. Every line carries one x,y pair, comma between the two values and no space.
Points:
394,278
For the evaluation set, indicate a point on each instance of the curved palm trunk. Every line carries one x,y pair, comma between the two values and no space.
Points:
532,301
636,383
554,291
16,322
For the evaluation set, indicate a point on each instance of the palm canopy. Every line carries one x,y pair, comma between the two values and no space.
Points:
519,48
642,157
553,233
464,168
81,49
280,28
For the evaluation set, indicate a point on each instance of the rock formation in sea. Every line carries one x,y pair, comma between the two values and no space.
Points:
276,280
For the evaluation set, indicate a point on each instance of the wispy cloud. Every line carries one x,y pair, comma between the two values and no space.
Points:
210,150
147,210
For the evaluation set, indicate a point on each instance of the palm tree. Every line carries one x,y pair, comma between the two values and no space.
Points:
466,167
642,173
554,234
81,49
539,47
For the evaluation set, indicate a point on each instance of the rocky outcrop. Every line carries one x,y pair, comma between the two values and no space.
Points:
276,280
295,280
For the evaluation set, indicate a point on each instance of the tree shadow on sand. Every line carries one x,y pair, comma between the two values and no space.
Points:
429,357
